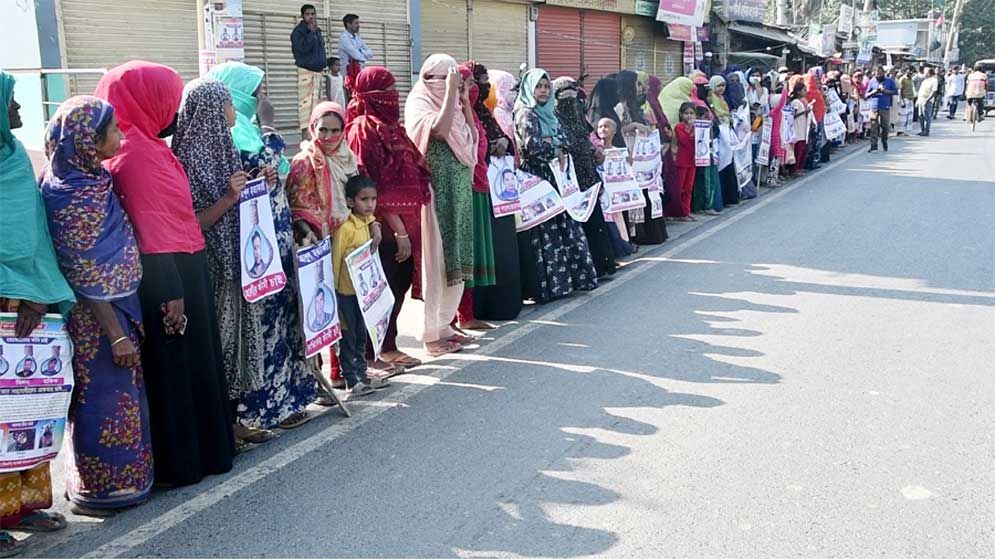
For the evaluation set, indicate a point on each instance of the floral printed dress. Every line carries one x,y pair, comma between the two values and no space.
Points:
554,255
288,385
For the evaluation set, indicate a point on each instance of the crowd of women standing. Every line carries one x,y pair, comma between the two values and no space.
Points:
135,239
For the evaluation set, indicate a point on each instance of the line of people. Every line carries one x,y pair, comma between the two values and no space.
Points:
135,240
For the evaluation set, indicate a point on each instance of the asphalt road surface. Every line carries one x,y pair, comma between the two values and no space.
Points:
808,375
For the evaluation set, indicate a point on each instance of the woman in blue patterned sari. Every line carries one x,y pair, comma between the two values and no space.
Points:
110,458
288,385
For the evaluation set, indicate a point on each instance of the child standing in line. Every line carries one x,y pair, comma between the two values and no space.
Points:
684,158
333,81
361,197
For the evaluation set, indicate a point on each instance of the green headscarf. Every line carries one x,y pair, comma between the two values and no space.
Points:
28,269
718,103
675,94
243,81
548,122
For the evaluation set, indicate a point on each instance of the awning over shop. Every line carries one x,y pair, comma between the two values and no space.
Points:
754,60
768,33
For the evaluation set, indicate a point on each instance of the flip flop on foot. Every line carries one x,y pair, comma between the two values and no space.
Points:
401,359
461,339
295,420
40,522
442,347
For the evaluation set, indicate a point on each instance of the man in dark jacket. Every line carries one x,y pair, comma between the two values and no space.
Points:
309,55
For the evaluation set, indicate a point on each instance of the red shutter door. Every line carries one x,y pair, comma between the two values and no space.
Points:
558,44
601,55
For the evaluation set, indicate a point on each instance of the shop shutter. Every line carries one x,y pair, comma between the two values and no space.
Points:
105,33
499,34
267,45
645,48
602,40
444,30
558,47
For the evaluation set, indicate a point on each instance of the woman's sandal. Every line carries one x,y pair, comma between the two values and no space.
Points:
406,361
257,435
40,522
442,347
295,420
9,546
461,339
242,446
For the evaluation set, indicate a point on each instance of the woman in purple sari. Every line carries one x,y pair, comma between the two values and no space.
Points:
110,454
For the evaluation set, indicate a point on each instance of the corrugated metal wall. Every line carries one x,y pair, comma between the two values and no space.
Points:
105,33
573,42
649,51
499,33
384,28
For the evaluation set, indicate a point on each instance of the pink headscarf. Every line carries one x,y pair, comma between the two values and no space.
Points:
150,181
503,86
425,103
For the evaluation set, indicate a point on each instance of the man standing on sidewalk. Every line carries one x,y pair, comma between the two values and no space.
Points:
955,89
353,52
925,99
907,92
309,55
879,93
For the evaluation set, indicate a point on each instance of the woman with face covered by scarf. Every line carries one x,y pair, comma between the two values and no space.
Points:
386,154
644,229
555,256
483,241
439,119
577,143
720,107
182,358
707,195
501,301
264,352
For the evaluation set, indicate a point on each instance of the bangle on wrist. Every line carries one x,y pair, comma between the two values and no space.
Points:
119,340
400,235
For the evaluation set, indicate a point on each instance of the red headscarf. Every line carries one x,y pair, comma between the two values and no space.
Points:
147,176
814,93
481,183
386,154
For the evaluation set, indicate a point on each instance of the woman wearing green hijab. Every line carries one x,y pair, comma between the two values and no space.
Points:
30,281
554,255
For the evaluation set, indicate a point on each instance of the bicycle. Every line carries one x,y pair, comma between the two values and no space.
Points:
976,108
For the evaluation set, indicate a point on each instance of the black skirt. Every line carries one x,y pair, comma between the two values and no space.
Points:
653,231
502,301
599,241
730,185
190,415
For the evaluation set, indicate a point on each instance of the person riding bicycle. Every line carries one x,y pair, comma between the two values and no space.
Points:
977,86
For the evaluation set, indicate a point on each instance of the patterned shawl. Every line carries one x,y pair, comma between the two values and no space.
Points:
504,84
316,185
28,267
93,237
203,143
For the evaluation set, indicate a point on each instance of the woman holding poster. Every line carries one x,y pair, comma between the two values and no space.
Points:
30,281
707,195
646,229
99,257
577,143
277,394
386,154
671,98
555,256
181,356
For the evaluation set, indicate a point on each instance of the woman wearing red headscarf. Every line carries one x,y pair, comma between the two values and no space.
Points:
181,357
816,142
385,153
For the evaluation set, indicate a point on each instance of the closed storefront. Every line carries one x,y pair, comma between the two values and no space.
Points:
491,32
572,42
105,33
645,48
268,24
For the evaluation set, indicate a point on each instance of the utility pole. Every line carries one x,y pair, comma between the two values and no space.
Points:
954,26
868,5
782,12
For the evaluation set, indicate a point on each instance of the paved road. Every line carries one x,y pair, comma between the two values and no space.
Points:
810,375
